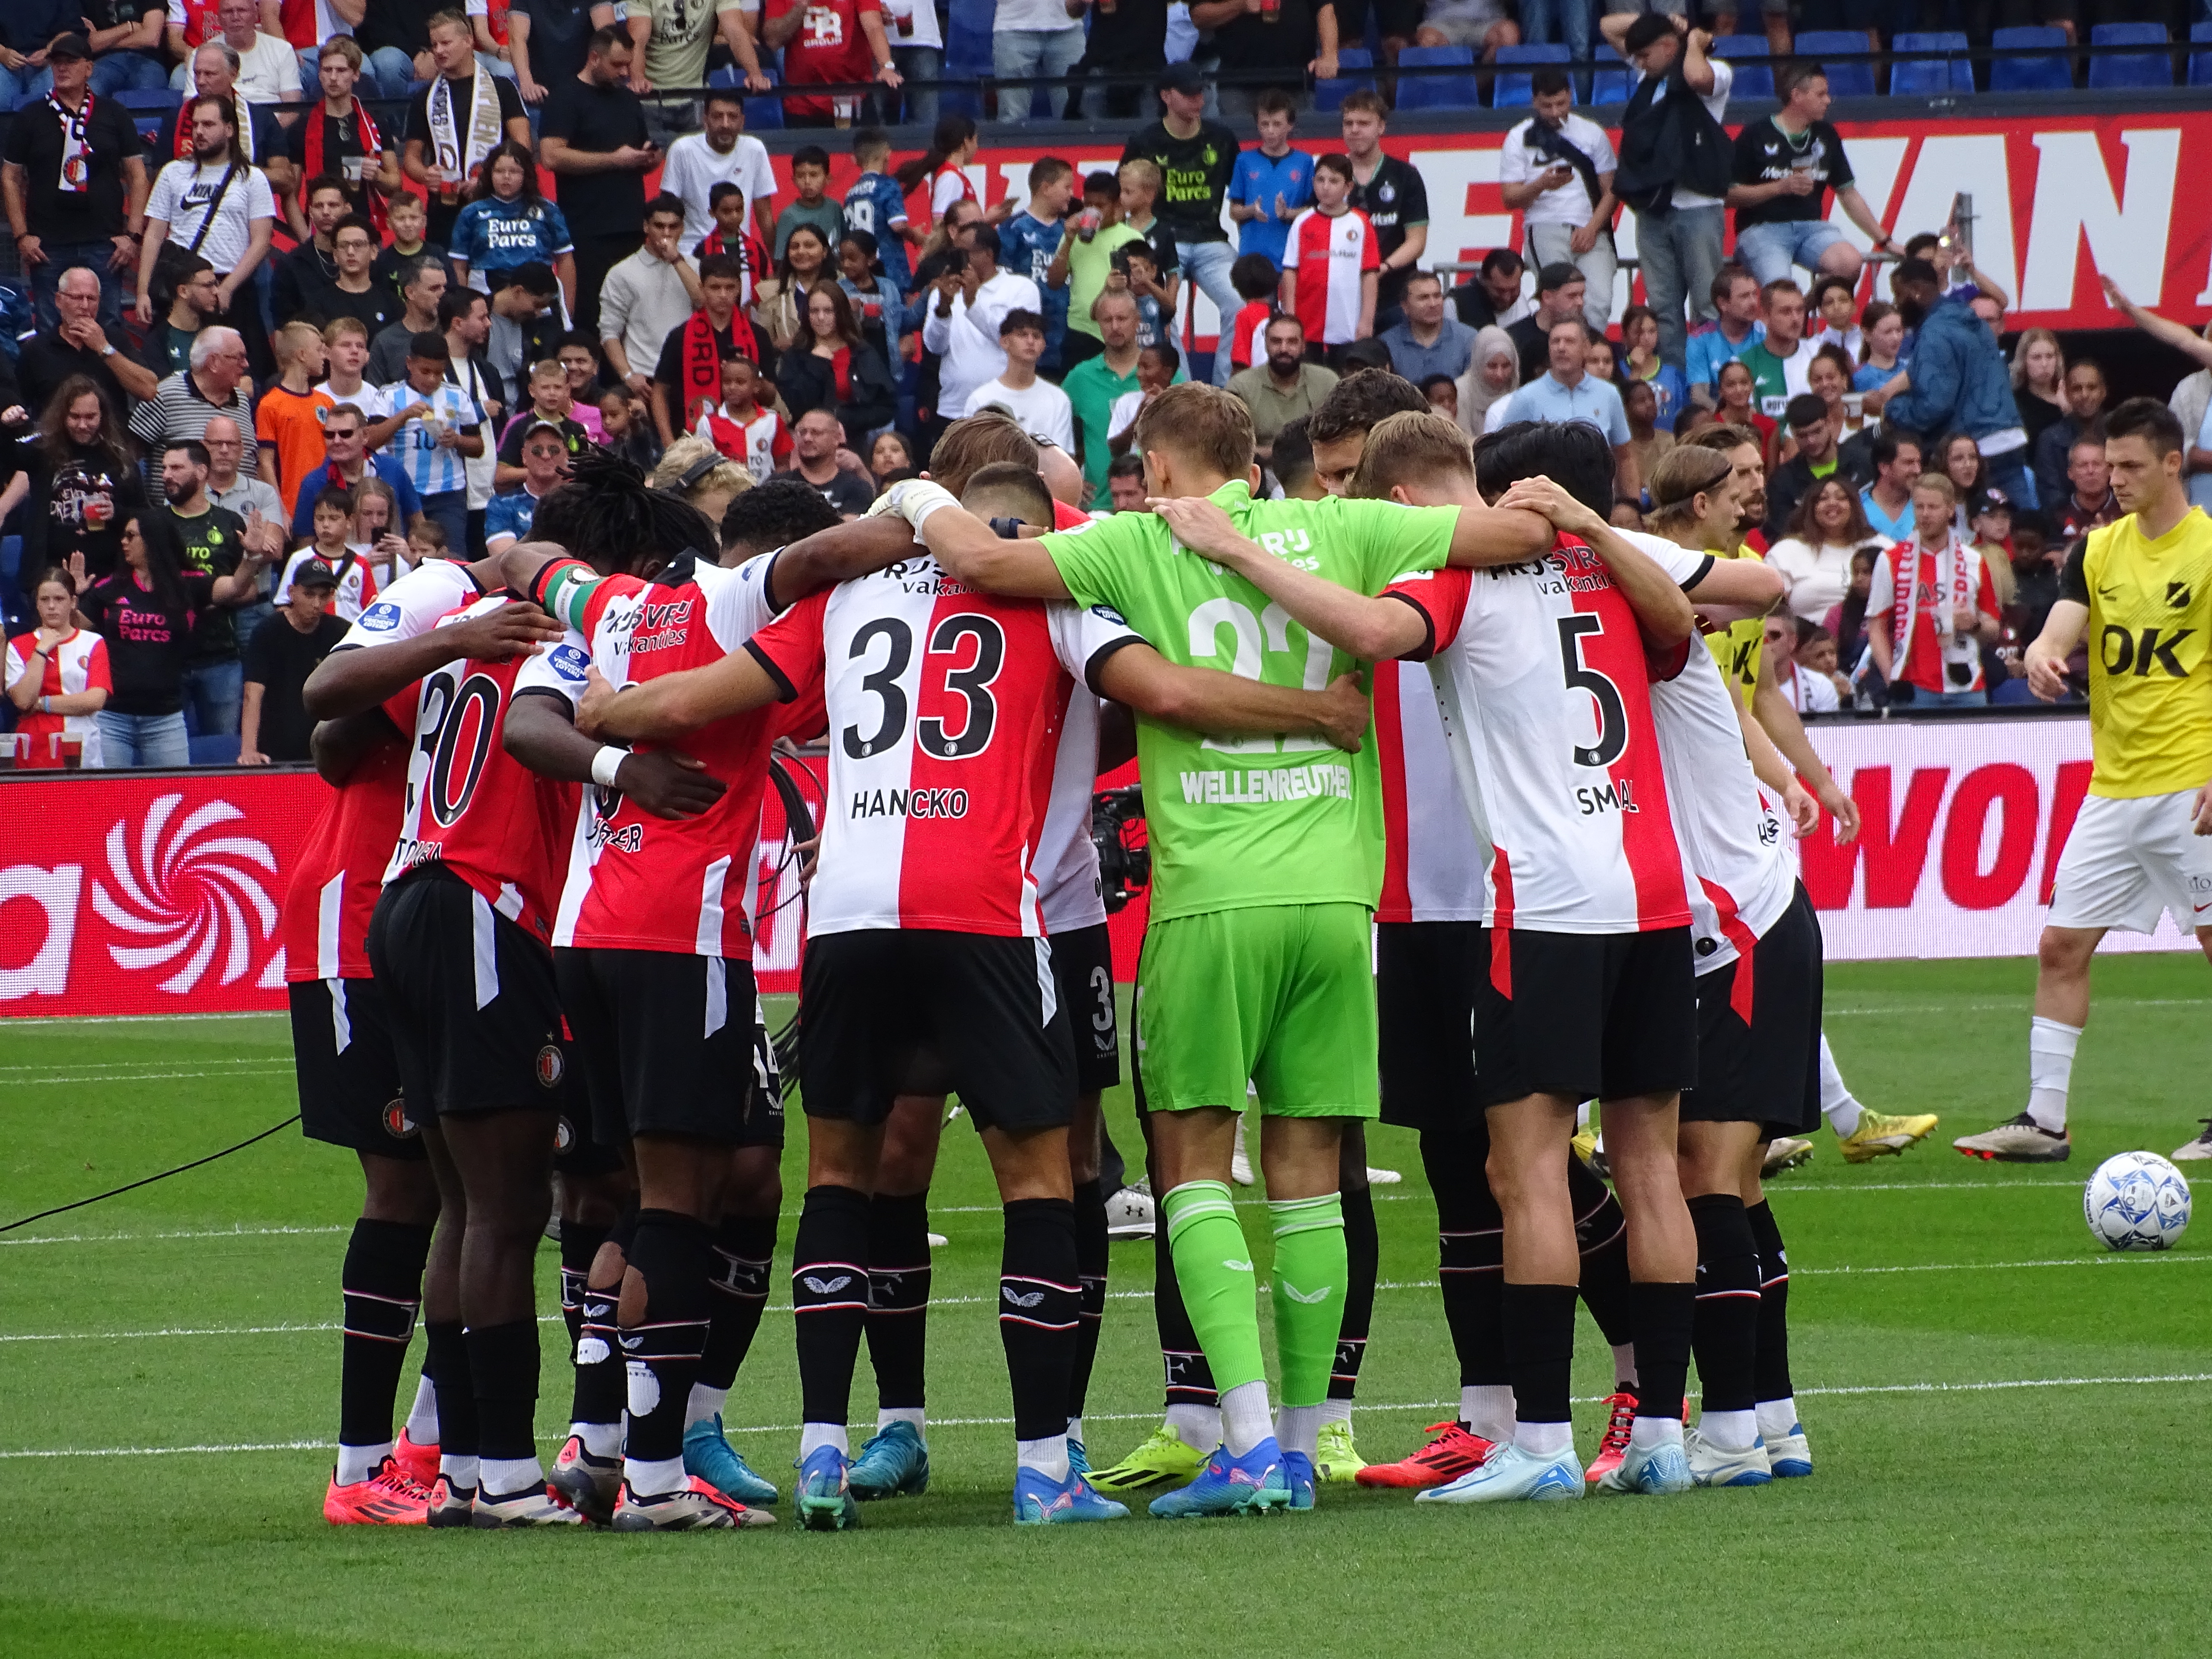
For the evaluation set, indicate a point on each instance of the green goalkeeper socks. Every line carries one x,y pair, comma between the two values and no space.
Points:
1213,1268
1309,1285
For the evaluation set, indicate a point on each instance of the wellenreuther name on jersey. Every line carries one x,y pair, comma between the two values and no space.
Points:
1261,788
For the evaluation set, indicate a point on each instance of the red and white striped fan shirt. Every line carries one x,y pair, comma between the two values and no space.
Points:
637,882
945,710
340,869
1330,256
76,664
1543,682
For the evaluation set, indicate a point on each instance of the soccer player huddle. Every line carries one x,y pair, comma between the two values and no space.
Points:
1547,864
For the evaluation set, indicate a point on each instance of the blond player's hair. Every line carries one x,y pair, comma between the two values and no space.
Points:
1409,447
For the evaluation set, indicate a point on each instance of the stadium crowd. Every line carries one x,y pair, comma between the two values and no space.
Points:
277,353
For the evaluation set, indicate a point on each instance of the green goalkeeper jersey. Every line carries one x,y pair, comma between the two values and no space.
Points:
1243,821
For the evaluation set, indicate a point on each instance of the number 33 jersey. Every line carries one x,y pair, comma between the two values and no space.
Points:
944,708
1541,675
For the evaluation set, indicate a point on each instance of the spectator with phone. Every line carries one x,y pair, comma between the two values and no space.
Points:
596,141
1556,171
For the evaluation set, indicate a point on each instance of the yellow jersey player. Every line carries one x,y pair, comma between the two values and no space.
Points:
2140,592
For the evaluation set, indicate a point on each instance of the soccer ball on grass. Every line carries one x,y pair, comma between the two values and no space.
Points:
2136,1201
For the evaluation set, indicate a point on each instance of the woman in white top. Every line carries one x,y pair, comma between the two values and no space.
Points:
1814,555
1493,374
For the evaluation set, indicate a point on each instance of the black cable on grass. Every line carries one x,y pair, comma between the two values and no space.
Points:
115,1192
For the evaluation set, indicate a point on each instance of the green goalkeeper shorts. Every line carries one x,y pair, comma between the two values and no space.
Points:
1280,994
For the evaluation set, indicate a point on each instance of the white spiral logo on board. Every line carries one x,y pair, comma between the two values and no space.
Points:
193,895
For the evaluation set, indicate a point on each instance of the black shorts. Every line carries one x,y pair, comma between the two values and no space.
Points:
1768,1071
475,1019
1394,20
1588,1016
1426,973
669,1044
879,1007
348,1075
1083,969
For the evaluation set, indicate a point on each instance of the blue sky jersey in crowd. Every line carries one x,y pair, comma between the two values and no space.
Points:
876,204
434,471
1709,352
1256,181
494,235
508,516
1026,244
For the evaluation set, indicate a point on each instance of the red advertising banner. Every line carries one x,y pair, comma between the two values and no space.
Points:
158,894
2059,199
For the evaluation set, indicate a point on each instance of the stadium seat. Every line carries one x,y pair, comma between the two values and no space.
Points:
967,58
1512,91
2152,67
1844,79
1752,79
215,749
1437,91
762,111
1927,77
155,101
2051,72
2200,56
1358,65
1610,85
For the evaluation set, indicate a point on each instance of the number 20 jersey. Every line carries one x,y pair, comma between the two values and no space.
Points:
945,708
1540,673
471,805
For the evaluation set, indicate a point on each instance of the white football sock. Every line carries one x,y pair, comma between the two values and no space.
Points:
1075,1430
1777,1418
652,1479
1729,1431
460,1471
1487,1410
1544,1439
1197,1427
601,1439
503,1477
912,1415
1582,1117
705,1402
1646,1432
1245,1418
423,1417
1047,1457
812,1436
1837,1104
1624,1363
1336,1411
2050,1047
1298,1428
357,1463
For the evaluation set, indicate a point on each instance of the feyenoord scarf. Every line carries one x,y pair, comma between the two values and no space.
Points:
372,149
703,361
459,159
1954,582
77,142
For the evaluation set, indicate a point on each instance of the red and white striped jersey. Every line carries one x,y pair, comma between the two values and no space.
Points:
1330,256
469,804
945,712
1735,855
1541,672
1432,859
357,590
76,664
1067,859
762,445
637,882
340,869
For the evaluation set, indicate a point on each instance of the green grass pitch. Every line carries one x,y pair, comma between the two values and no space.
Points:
2002,1415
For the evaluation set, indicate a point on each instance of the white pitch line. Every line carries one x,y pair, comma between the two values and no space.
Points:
74,1020
191,1232
1835,1392
133,1066
277,1069
1949,1008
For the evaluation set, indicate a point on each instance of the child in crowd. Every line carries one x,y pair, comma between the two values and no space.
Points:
730,235
426,539
1270,185
404,218
1443,393
1598,360
333,545
1254,277
810,179
1085,261
1647,439
507,222
753,435
1141,185
1157,367
1882,337
1135,273
549,401
875,205
1332,264
289,422
1836,306
878,306
1639,335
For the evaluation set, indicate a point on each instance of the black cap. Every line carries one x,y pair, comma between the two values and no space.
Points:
1988,499
69,45
314,574
1183,78
1807,408
430,346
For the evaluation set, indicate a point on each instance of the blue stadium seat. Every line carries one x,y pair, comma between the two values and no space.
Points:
2051,72
2152,67
1752,79
1610,85
157,101
215,749
1358,65
1924,77
1844,79
1437,91
967,56
1512,91
975,16
2200,56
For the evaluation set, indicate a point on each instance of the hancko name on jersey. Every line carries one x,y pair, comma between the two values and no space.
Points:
910,804
1261,788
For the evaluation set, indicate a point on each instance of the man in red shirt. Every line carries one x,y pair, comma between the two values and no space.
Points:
828,43
1938,607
